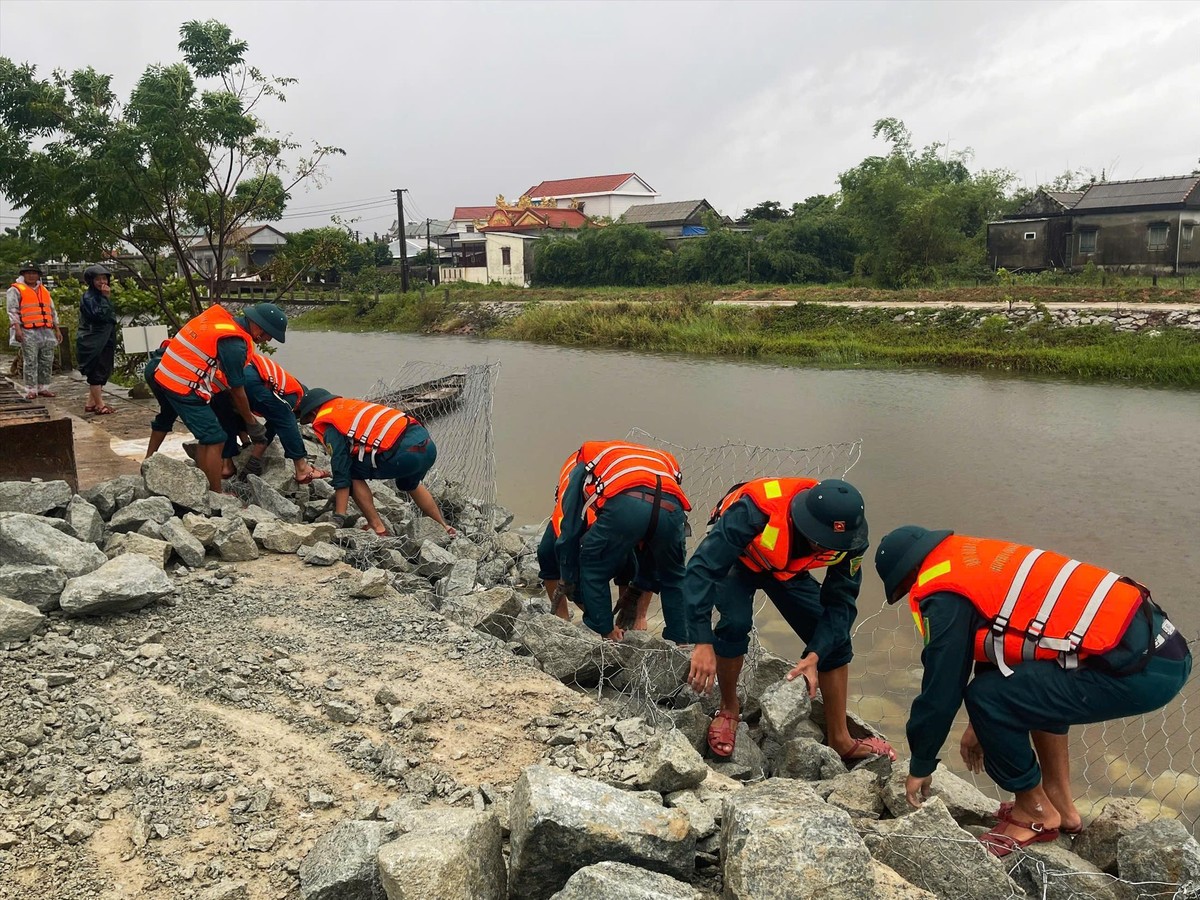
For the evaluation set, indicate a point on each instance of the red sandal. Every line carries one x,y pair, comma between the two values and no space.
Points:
876,747
1004,814
722,733
1000,843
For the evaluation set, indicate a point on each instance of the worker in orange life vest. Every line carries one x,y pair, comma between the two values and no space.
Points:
1054,642
367,440
616,496
34,322
768,535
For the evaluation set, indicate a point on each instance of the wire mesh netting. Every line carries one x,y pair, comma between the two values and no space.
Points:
455,405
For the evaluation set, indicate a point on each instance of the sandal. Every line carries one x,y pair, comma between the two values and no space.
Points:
875,746
1000,843
104,410
368,528
46,394
313,475
722,733
1004,814
90,408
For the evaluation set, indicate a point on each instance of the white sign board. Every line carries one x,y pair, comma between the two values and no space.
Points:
143,338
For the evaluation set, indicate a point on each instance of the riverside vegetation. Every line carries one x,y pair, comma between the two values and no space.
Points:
908,328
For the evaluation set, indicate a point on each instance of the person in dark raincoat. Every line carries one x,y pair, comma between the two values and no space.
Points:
96,341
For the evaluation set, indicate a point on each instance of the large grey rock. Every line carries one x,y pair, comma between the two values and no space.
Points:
322,553
185,544
570,654
929,850
493,572
85,520
139,512
702,815
18,620
890,886
491,612
651,668
134,542
762,669
273,501
780,840
451,854
786,708
1052,872
233,542
460,580
254,515
202,528
111,495
966,804
129,581
433,562
692,721
342,863
422,529
279,537
671,764
177,480
858,793
561,823
747,763
35,585
372,583
27,539
223,505
621,881
1098,842
807,759
35,498
1162,858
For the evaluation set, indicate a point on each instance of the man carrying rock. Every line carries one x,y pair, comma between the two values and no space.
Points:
1054,642
616,498
208,356
367,440
769,535
35,327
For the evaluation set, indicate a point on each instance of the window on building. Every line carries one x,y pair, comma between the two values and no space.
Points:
1087,241
1186,234
470,229
1156,235
1031,235
581,206
506,256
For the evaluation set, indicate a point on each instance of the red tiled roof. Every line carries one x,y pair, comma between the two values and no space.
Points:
571,187
472,212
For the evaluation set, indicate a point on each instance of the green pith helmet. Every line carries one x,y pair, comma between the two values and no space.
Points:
313,398
28,266
270,318
901,553
831,514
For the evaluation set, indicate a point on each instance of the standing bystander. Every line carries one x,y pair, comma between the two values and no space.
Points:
96,340
35,327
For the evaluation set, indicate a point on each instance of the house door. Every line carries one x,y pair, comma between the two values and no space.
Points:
1067,249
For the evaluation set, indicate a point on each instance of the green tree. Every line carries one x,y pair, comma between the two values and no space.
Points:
328,254
615,254
918,216
767,211
186,161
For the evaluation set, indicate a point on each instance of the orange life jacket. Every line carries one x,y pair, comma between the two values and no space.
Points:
564,476
369,426
287,387
189,364
612,467
770,551
37,309
1040,605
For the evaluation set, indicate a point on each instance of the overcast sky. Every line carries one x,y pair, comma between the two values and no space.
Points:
733,102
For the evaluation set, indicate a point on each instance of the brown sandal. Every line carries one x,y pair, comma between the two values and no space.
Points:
722,733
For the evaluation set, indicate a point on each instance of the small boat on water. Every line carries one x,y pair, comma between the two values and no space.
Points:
428,399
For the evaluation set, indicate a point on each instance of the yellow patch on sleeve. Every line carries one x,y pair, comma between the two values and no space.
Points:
933,572
772,490
324,412
769,536
855,565
222,326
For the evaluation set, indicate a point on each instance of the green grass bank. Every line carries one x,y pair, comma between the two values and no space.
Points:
684,319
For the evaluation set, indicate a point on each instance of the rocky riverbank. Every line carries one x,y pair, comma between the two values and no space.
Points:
213,698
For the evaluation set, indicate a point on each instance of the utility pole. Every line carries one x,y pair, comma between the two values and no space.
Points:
399,192
429,250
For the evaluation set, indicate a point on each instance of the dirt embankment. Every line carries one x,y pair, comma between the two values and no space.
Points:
152,753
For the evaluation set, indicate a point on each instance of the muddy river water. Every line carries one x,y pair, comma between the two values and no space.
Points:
1109,474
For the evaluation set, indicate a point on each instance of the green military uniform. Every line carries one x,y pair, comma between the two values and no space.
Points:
197,413
821,614
277,413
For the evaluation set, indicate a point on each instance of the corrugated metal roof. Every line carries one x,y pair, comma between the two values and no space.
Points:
1169,191
675,211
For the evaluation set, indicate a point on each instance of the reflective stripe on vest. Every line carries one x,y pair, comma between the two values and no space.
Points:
189,364
37,309
612,467
770,551
383,428
564,475
282,383
1040,605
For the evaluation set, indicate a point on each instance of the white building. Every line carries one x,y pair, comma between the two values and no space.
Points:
597,196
